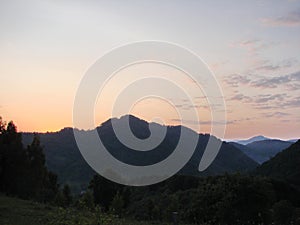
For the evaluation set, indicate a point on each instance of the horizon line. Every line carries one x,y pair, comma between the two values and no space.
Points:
223,139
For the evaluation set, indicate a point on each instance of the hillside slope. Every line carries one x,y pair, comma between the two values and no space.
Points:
252,139
14,211
284,166
262,151
63,156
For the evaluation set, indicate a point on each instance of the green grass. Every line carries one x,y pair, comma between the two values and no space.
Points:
14,211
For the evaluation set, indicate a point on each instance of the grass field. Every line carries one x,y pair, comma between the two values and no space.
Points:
14,211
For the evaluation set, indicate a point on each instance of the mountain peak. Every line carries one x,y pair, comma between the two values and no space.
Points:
131,118
252,139
260,136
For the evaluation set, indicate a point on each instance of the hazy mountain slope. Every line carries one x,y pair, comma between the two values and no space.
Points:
248,151
250,140
264,150
64,158
229,159
285,165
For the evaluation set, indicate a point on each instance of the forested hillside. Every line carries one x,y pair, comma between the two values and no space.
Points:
284,166
64,158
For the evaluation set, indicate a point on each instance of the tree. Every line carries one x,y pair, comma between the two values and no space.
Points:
104,191
50,187
13,160
86,201
117,204
37,171
2,125
2,129
23,171
283,211
67,195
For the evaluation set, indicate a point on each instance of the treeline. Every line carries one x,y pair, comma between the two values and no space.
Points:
229,200
223,200
22,169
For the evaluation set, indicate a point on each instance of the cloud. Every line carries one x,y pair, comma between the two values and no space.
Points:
265,65
235,80
199,103
241,97
267,107
276,114
279,103
201,122
289,20
273,82
266,101
201,97
268,67
262,101
294,102
250,42
269,97
285,121
253,46
191,106
290,81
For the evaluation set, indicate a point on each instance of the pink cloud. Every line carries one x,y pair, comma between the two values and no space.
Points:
290,20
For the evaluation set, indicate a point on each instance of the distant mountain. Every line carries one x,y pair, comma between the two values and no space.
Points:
262,151
250,140
229,159
293,140
63,156
284,166
247,151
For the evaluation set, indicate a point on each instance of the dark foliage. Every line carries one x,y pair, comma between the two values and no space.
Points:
22,170
229,199
284,166
64,158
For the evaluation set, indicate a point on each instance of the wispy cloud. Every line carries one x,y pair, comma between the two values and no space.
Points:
276,114
294,102
273,82
235,80
202,122
241,97
290,81
292,19
264,98
261,98
266,65
201,102
189,106
253,46
268,101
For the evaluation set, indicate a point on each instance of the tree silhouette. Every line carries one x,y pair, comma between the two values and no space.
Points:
23,171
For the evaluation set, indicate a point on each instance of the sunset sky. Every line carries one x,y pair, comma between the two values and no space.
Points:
253,48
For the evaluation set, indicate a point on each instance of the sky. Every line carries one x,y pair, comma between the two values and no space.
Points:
252,47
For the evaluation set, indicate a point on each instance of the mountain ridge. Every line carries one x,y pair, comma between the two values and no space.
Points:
284,166
64,158
250,140
262,151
